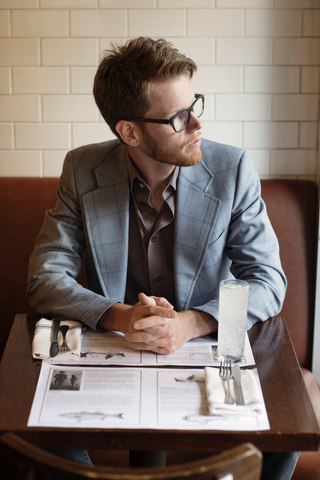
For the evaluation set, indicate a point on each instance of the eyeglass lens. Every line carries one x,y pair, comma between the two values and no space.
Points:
182,120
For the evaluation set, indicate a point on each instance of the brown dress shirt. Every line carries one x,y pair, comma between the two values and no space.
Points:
150,263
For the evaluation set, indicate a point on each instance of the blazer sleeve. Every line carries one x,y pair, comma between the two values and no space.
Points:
251,248
57,260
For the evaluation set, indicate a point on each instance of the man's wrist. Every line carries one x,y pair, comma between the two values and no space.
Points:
196,323
113,318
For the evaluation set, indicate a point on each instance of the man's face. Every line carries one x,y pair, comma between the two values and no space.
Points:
161,142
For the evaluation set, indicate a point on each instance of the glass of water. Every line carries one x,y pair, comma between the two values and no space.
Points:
233,307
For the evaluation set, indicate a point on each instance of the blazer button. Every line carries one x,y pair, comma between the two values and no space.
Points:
157,279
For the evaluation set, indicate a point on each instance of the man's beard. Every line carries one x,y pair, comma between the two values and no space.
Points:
172,156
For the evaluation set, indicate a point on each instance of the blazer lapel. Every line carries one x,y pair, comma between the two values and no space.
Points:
196,215
107,217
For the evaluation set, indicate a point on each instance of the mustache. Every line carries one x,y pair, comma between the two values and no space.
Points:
194,139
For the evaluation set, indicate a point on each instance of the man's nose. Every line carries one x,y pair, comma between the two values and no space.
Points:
195,123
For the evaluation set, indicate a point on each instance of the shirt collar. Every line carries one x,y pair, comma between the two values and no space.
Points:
133,173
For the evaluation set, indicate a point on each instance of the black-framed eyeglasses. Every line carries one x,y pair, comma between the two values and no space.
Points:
180,120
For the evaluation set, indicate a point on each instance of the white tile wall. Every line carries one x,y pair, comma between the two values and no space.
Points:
274,79
157,22
39,23
258,66
295,107
40,80
273,23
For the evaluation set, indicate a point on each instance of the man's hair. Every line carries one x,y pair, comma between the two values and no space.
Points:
123,83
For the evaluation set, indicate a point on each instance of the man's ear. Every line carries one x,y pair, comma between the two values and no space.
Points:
128,132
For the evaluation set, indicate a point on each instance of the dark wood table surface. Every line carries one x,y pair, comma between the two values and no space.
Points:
291,416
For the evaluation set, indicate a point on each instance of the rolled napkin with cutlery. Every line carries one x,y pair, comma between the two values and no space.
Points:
216,394
43,336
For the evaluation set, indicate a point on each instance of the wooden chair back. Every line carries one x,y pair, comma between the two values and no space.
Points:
22,460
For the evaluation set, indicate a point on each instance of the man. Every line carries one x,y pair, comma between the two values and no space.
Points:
156,214
162,215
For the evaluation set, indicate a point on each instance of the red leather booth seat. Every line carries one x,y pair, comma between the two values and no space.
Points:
292,206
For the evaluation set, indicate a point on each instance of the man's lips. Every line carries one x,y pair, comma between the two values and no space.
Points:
195,143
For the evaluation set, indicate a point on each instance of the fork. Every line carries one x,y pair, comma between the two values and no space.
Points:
64,347
225,373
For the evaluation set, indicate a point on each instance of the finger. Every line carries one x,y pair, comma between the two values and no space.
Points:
147,338
145,300
156,332
158,317
165,332
160,301
163,302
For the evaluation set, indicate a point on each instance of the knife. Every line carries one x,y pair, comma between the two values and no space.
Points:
54,349
237,377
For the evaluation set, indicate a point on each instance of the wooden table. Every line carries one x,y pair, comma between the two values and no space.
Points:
291,416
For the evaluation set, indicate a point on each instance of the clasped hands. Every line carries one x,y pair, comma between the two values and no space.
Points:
153,324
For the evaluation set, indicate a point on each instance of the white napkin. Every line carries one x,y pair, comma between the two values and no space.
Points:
215,389
43,336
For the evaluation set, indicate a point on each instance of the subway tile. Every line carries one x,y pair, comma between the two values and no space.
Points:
218,80
127,4
223,132
19,4
82,79
157,23
260,160
186,3
244,51
311,23
310,81
244,3
53,162
40,23
297,4
295,107
40,80
215,22
273,23
68,3
69,108
270,135
271,79
5,80
308,135
70,52
85,133
98,23
293,162
6,136
296,51
4,23
19,108
19,51
201,50
32,136
20,163
243,107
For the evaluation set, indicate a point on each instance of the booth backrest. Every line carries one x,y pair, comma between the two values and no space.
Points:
293,210
292,207
23,202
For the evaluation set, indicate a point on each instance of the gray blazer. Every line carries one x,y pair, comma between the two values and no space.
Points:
221,230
